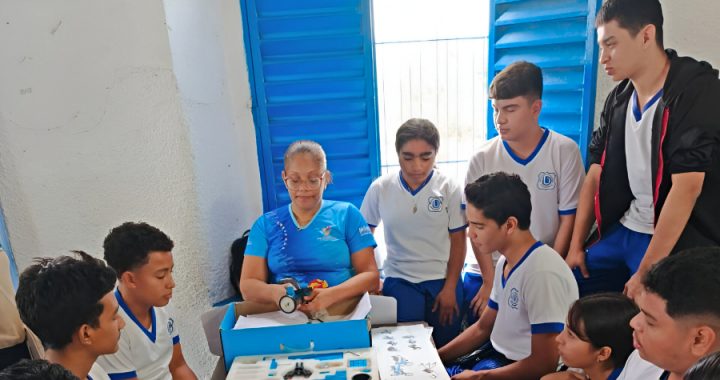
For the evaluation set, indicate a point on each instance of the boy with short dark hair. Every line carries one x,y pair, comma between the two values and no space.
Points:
679,319
68,303
37,369
532,291
652,183
548,162
150,345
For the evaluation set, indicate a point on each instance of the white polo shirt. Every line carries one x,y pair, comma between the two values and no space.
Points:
553,173
639,368
417,223
533,299
640,217
143,353
97,373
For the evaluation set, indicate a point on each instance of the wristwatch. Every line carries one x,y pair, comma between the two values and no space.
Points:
288,302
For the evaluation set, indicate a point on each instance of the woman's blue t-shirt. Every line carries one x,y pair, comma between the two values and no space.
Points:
320,250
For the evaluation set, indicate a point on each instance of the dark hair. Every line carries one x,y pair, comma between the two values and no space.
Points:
499,196
415,129
36,370
604,320
707,368
127,246
306,146
633,15
688,282
518,79
56,296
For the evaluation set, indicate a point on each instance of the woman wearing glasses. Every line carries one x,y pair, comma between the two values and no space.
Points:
424,225
311,240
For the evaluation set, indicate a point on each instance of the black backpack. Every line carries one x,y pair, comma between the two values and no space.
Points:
237,253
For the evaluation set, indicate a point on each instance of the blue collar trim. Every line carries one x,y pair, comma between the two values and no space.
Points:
636,110
525,256
533,154
615,373
153,330
295,222
407,187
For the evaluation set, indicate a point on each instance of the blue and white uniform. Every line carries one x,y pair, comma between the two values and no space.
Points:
615,257
553,173
319,250
143,353
417,225
533,299
97,373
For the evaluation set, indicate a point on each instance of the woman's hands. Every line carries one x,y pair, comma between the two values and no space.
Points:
320,299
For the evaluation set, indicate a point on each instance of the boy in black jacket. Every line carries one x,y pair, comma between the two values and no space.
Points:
651,187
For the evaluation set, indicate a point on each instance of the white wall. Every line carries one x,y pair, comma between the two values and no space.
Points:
690,27
109,113
206,42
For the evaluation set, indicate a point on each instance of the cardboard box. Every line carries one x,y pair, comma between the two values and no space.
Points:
323,336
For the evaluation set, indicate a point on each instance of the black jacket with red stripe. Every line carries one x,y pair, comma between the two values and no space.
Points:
685,138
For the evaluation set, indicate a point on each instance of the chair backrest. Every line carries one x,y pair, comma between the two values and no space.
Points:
211,325
237,254
384,310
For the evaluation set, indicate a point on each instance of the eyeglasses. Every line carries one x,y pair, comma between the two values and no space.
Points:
313,183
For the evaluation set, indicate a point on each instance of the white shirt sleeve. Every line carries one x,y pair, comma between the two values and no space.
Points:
571,179
495,295
475,170
172,323
456,214
370,208
548,298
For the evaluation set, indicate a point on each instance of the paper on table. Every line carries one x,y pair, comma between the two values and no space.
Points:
274,318
406,352
278,318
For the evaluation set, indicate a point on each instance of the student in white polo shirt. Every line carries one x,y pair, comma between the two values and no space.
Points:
532,291
548,162
150,344
679,319
424,226
68,302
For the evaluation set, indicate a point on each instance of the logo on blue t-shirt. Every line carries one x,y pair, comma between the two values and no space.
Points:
171,326
365,230
547,180
514,298
327,234
435,204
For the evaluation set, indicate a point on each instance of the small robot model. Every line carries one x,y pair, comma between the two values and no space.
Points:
295,294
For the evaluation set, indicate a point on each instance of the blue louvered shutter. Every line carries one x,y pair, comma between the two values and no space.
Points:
312,73
558,36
